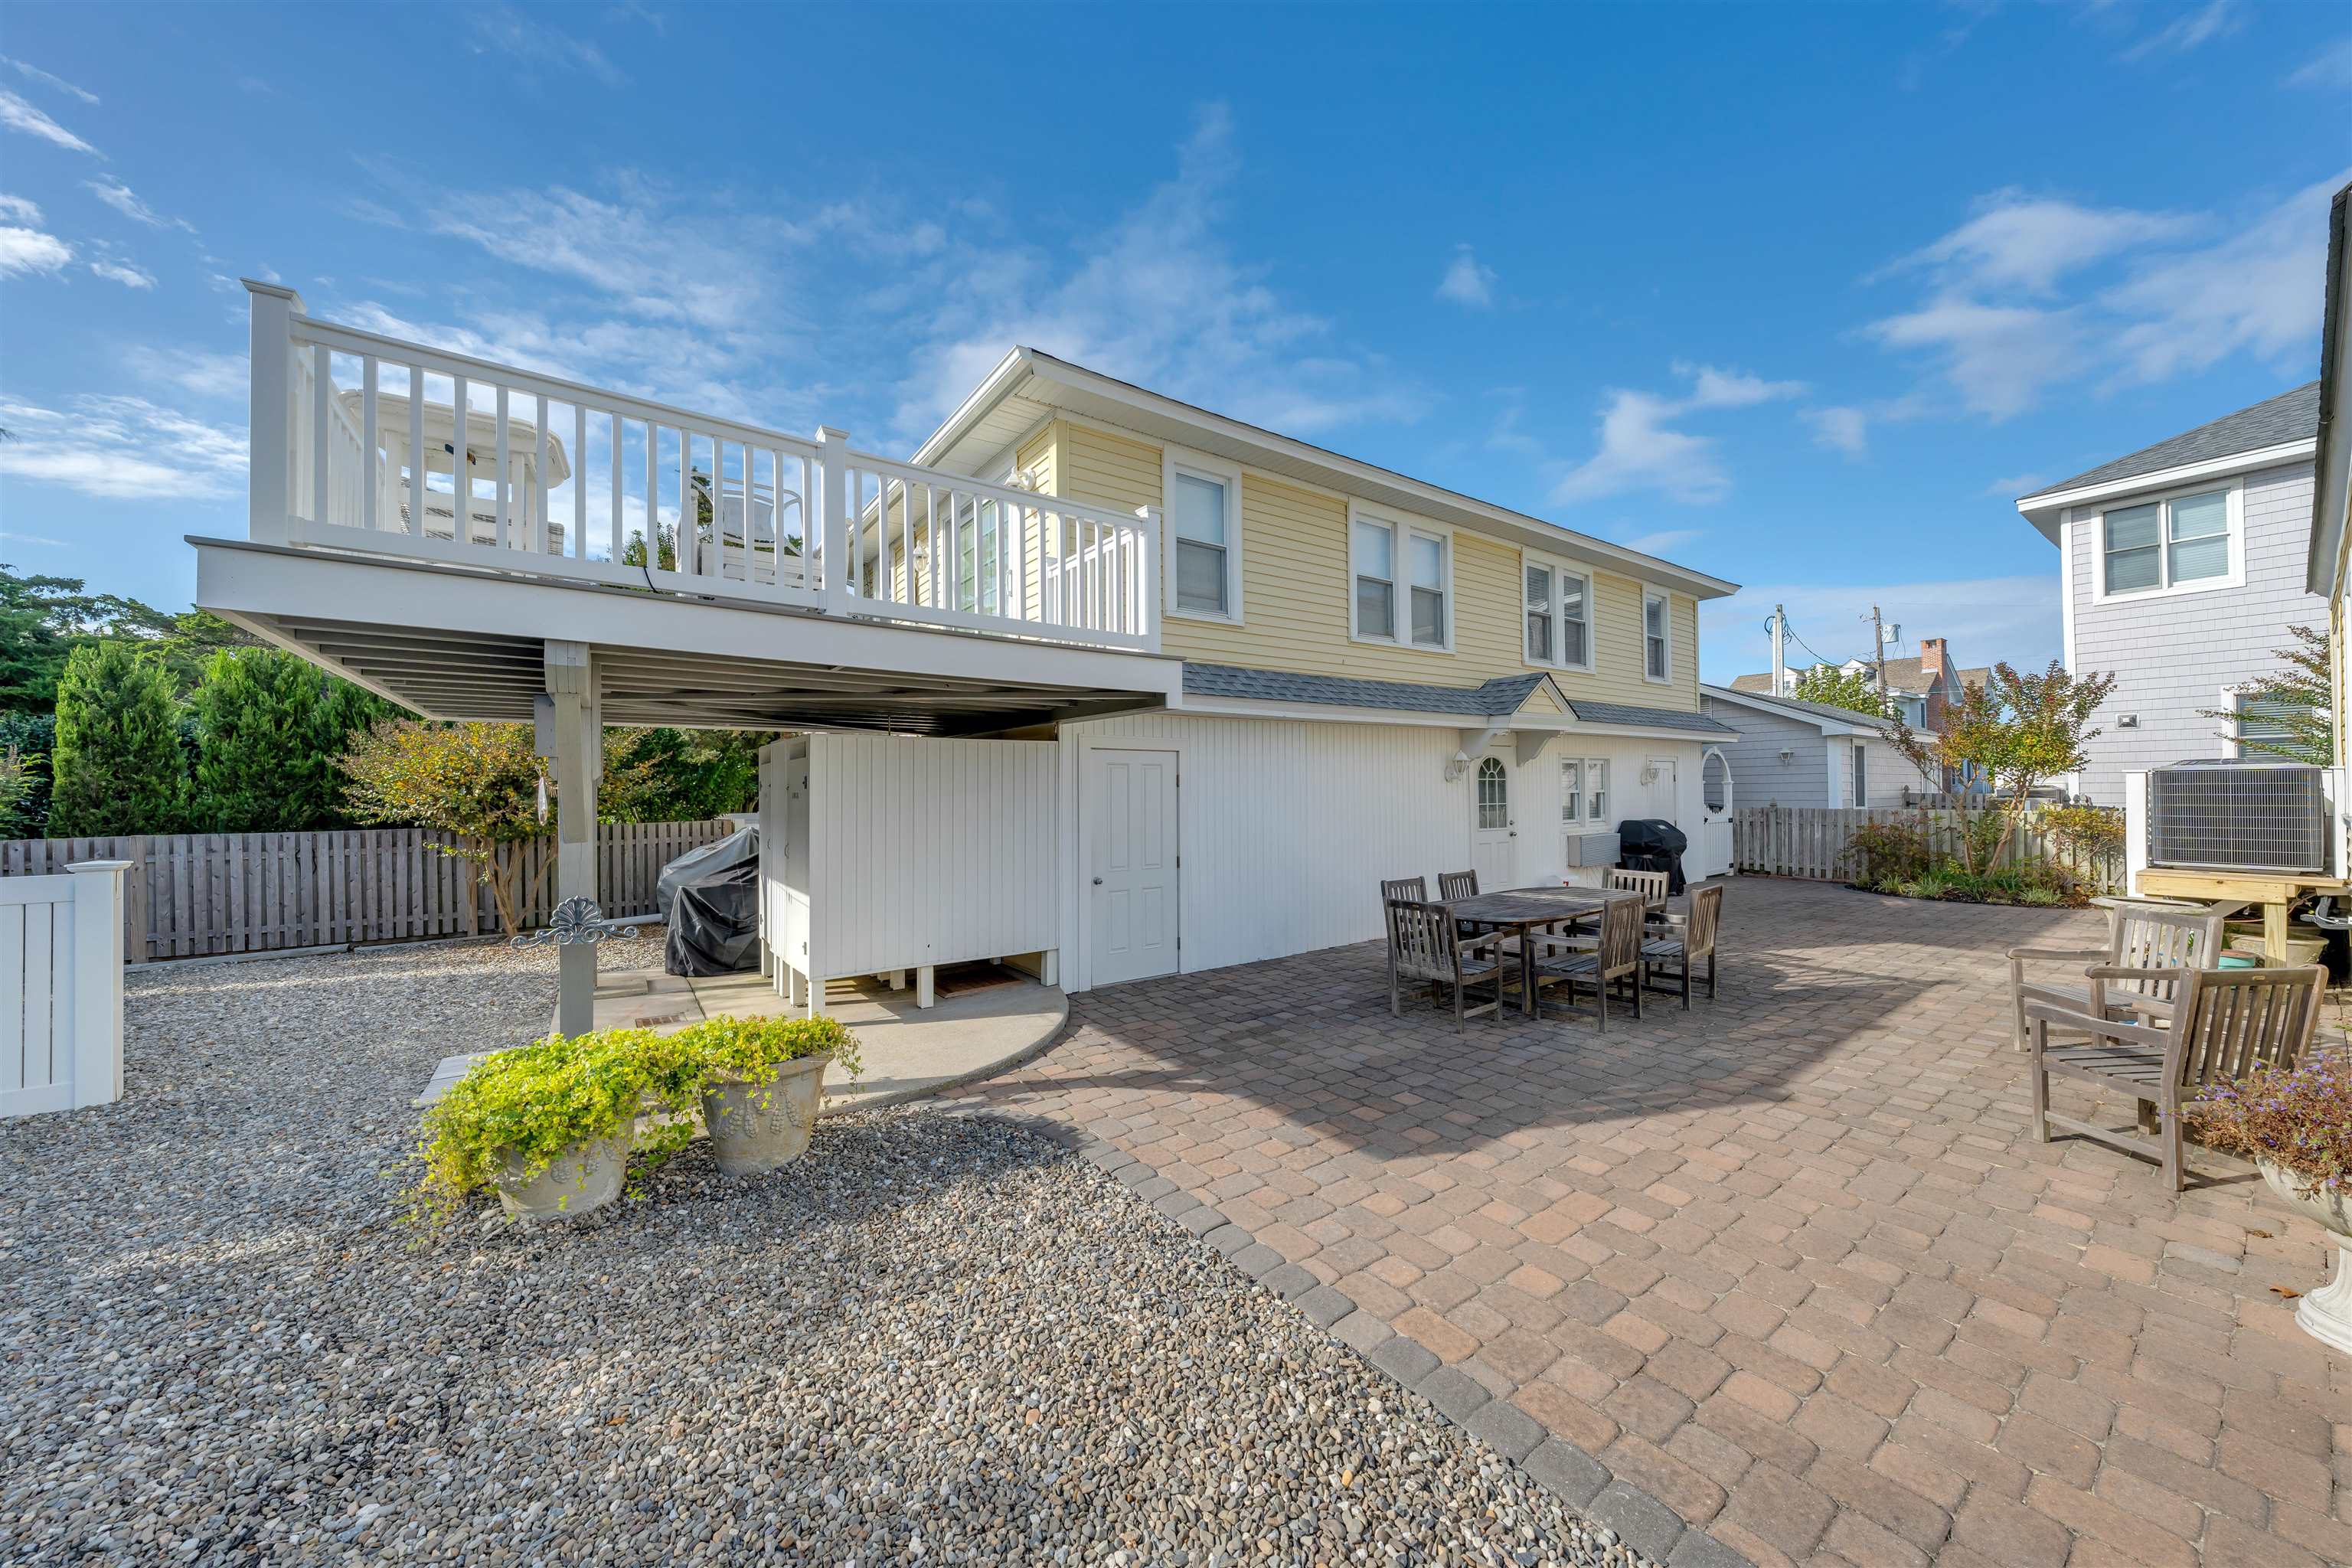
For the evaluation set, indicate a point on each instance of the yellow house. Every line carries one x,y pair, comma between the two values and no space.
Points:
1381,676
2331,502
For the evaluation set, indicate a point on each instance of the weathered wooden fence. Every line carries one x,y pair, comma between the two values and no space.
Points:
192,894
1811,841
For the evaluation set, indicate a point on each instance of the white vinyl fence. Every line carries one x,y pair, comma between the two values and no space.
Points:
1811,841
61,989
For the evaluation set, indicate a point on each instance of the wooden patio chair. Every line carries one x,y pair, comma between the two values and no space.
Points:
1615,957
1452,885
2154,943
2225,1023
1413,888
1425,948
1650,885
1677,946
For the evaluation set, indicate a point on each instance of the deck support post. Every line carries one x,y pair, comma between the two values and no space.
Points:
578,745
923,996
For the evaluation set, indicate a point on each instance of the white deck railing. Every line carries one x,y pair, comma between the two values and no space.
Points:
356,446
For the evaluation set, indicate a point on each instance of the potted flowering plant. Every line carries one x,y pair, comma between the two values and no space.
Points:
549,1126
2296,1126
761,1082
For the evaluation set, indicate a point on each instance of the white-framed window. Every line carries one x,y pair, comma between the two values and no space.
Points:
2179,543
1860,774
1401,582
1657,637
1202,517
2258,718
1494,795
1584,791
1559,614
976,554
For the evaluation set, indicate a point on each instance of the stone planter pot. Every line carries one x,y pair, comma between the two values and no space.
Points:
757,1127
580,1180
2325,1314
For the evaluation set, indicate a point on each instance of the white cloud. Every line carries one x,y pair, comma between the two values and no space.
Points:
1985,620
121,198
537,43
2032,294
198,371
2189,32
2256,291
1842,429
122,448
35,73
18,115
1639,450
19,209
128,274
1662,540
1467,281
2031,242
1159,300
30,250
2331,68
2017,485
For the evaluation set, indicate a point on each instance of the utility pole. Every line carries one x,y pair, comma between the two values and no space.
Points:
1780,651
1877,654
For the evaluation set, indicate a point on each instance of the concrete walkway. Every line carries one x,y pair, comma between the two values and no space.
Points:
909,1052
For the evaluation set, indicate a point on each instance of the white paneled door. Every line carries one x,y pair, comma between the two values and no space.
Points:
1130,864
1494,825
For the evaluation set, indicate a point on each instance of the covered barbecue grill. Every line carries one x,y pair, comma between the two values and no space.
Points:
1653,844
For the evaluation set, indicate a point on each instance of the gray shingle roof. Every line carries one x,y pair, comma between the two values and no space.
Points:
2290,416
1498,699
1830,710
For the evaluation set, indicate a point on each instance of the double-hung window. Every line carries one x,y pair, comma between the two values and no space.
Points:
1200,511
2177,543
1403,582
1657,641
1558,629
1584,791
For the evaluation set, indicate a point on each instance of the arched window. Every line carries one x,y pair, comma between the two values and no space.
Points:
1494,795
1715,781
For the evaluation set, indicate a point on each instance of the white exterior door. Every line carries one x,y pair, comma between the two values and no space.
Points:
1494,832
1659,797
1710,850
1130,865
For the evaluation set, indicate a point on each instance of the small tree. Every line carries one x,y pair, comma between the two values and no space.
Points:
1840,689
118,766
2299,702
479,782
18,785
2017,731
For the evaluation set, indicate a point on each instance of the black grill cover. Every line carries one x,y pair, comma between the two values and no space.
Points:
1653,844
714,926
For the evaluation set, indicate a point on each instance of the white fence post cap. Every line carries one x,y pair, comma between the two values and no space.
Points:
80,866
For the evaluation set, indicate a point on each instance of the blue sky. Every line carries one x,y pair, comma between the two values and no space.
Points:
1802,297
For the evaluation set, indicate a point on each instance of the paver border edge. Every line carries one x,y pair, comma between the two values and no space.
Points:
1581,1482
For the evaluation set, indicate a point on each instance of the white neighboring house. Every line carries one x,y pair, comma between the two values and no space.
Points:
2181,568
1798,754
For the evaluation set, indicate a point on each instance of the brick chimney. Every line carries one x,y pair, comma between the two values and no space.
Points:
1931,657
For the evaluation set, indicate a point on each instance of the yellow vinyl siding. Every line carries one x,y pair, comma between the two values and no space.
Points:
1295,590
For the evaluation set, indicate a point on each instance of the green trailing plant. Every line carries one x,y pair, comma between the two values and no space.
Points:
2300,1120
515,1114
117,767
746,1051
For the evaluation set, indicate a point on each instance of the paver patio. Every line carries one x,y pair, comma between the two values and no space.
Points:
1788,1269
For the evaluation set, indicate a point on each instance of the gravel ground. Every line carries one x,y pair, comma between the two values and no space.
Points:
934,1339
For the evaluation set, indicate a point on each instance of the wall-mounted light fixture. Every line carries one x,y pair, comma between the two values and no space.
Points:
1787,755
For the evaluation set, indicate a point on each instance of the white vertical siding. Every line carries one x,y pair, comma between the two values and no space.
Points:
1289,826
932,851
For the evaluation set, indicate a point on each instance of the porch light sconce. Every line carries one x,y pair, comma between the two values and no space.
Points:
1787,755
2128,722
1456,765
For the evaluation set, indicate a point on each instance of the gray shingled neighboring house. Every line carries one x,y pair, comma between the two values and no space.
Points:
2180,567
